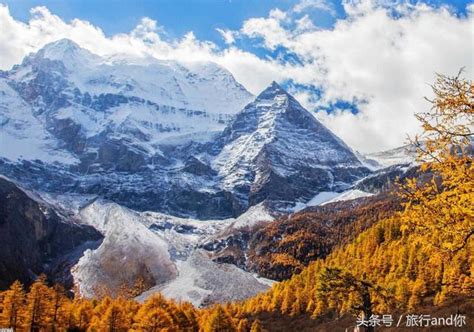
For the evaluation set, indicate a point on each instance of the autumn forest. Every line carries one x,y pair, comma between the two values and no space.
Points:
409,253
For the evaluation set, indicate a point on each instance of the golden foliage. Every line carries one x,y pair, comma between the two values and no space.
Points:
46,308
13,306
419,256
422,255
442,205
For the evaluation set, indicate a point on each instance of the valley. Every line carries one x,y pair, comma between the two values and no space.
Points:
127,177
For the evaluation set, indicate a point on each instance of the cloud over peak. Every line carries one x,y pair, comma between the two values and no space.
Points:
383,54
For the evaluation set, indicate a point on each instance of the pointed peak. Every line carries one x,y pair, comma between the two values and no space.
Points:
67,51
65,42
273,90
62,45
275,85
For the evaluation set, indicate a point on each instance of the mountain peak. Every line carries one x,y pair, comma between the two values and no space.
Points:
68,52
63,43
275,85
59,48
273,90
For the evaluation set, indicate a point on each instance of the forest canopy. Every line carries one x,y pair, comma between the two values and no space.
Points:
416,257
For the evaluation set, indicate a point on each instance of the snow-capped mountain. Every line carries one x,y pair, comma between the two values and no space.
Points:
387,167
91,243
162,136
74,102
156,165
276,150
403,155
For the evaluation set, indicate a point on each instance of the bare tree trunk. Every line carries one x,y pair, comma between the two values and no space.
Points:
367,307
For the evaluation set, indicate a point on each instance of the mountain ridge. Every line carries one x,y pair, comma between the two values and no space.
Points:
100,129
164,200
275,138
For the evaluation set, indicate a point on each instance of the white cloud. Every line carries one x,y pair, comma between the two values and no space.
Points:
387,60
374,55
269,29
228,35
304,24
314,4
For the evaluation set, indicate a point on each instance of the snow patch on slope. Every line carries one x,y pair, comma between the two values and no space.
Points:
255,214
347,196
128,250
326,197
202,281
22,135
166,248
322,197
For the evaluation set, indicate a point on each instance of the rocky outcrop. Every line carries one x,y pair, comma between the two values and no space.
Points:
277,151
197,167
163,137
34,238
281,248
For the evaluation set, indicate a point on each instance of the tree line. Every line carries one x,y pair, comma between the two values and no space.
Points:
421,255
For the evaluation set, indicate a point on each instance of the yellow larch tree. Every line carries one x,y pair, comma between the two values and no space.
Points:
153,320
440,205
256,326
13,302
82,314
219,321
39,307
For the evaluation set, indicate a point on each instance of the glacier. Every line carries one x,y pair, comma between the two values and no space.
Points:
166,160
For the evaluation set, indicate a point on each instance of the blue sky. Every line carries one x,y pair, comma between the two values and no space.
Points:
176,16
364,77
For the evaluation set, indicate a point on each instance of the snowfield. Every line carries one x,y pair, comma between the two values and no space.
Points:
143,100
347,196
23,135
327,197
126,145
163,247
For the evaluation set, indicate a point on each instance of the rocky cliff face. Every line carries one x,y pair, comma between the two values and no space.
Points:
35,239
281,248
275,150
122,153
162,136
